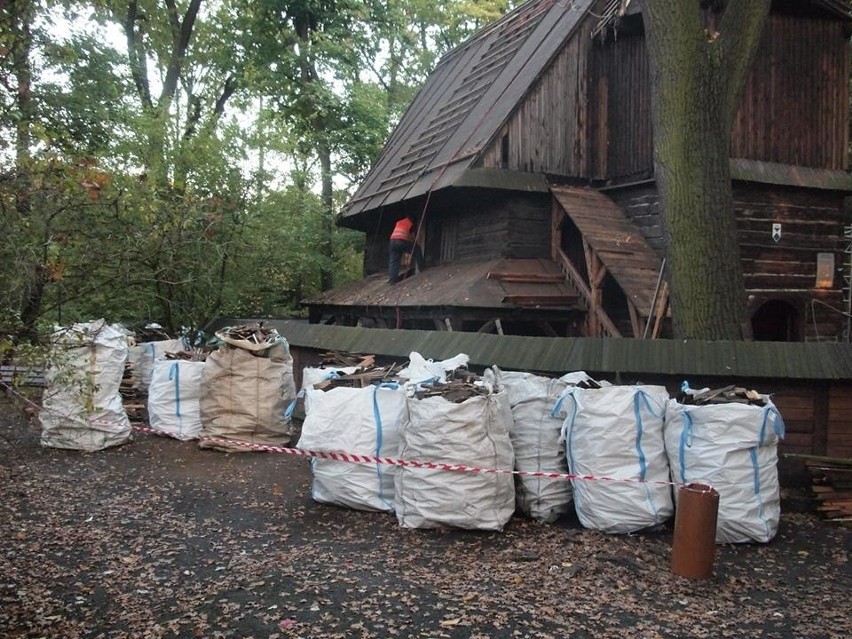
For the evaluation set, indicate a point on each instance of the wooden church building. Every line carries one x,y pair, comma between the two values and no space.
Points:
527,157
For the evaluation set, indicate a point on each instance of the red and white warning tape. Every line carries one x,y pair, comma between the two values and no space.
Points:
355,458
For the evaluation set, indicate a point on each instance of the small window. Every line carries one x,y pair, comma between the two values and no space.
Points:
504,151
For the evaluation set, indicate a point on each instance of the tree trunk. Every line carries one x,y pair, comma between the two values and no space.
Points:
697,79
327,194
17,18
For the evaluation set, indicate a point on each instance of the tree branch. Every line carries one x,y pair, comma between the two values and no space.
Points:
136,55
181,35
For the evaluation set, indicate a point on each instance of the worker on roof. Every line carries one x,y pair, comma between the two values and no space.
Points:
402,240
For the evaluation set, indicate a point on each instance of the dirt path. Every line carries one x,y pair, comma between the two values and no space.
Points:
160,539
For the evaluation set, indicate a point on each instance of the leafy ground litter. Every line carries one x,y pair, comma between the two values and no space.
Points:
159,539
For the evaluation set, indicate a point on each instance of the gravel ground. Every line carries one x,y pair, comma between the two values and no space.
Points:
158,538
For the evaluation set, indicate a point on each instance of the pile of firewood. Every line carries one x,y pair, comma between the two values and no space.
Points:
459,386
725,395
831,481
366,373
254,333
192,355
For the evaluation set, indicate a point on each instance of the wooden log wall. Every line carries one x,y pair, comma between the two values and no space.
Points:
812,222
622,138
795,109
544,133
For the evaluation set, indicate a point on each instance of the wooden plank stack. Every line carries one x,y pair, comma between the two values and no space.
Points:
724,395
831,481
366,373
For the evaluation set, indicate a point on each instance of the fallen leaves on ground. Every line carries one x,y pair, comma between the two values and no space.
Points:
159,539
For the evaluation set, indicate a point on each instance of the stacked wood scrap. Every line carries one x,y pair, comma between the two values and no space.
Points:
725,395
460,386
343,359
192,355
831,483
366,372
254,333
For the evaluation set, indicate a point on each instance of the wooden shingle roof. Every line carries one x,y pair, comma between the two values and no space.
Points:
465,101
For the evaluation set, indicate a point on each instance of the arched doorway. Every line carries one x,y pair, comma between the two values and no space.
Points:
776,321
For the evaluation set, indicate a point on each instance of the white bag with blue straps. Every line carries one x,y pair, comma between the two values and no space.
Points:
734,448
364,421
472,433
537,440
616,432
174,398
143,356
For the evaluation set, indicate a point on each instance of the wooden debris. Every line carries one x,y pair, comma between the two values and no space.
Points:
342,359
726,395
454,391
255,332
832,488
192,355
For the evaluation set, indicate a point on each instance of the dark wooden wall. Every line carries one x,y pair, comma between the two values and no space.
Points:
589,116
545,132
472,224
812,222
796,105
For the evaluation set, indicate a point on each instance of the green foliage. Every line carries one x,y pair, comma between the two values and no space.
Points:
126,190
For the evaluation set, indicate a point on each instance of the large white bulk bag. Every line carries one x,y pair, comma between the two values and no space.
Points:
536,437
244,396
315,375
82,408
363,421
617,432
142,358
473,433
734,448
174,396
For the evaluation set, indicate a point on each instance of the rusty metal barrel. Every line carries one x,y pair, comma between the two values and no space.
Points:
694,543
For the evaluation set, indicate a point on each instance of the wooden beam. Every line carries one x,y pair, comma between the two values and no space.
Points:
487,327
662,307
540,300
634,318
525,277
575,278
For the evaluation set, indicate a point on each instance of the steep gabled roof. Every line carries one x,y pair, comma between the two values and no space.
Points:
465,101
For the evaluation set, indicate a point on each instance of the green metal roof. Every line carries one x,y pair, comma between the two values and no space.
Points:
778,360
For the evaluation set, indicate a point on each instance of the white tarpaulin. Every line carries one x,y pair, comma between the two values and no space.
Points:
364,421
244,395
474,433
617,432
537,440
82,408
174,398
734,448
143,356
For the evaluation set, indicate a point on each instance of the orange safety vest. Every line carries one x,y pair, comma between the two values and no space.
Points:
402,230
